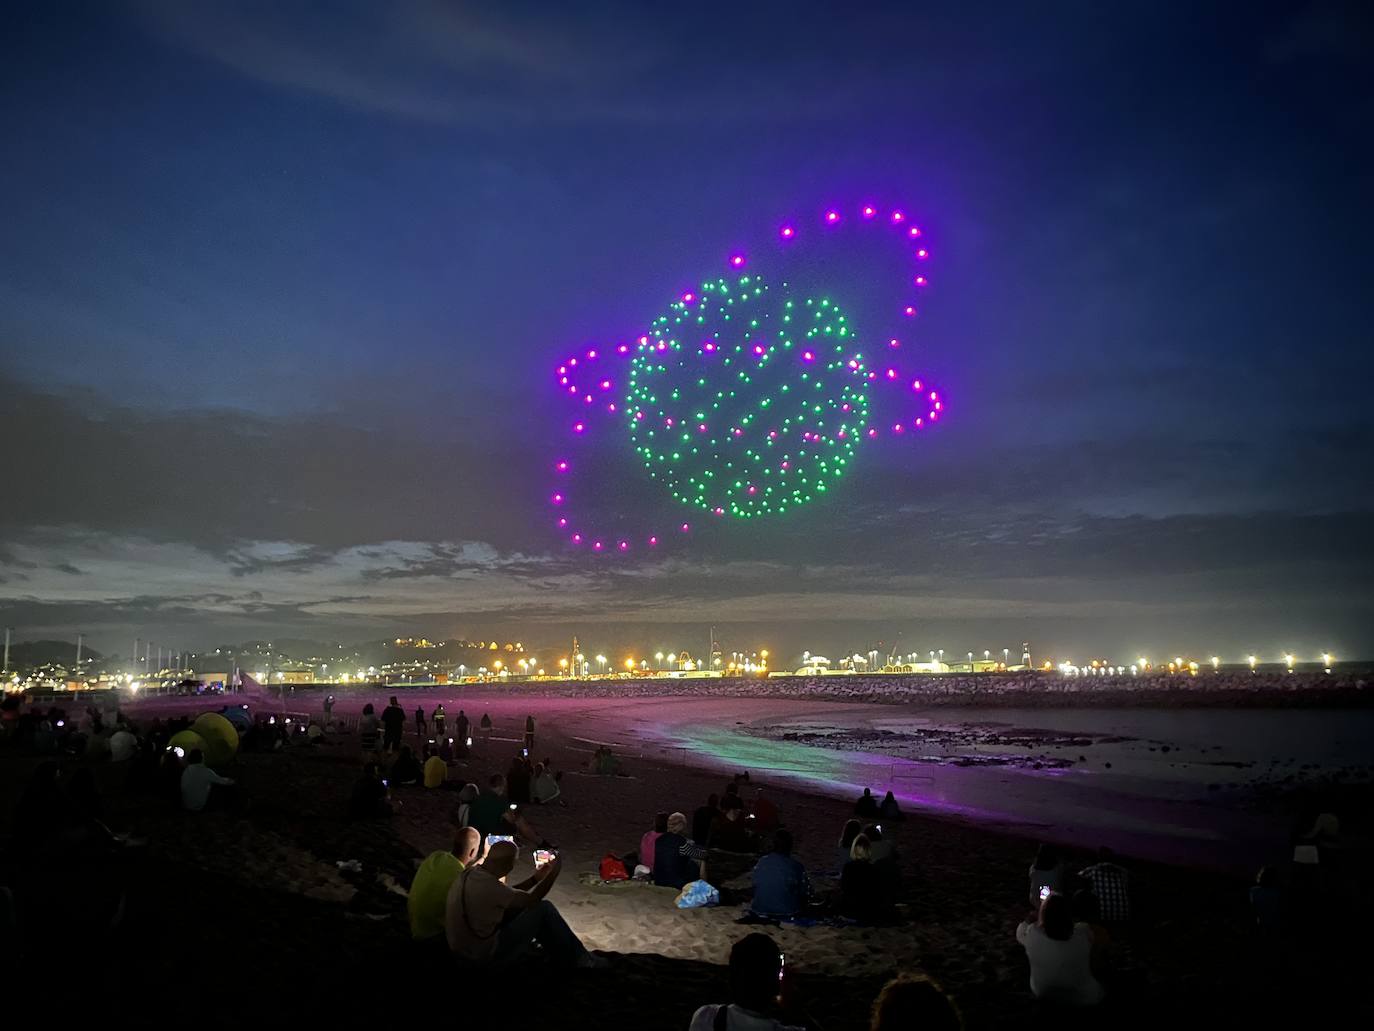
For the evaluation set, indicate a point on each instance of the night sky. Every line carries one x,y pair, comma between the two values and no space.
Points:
281,286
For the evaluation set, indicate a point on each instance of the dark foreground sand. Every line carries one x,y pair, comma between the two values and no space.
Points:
241,918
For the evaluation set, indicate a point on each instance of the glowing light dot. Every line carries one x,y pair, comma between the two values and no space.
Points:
920,280
701,427
689,297
591,354
562,466
624,348
588,399
653,542
562,522
845,407
937,405
918,423
934,396
579,427
897,427
624,545
558,499
718,511
611,407
605,384
758,349
577,538
898,216
562,370
787,232
872,434
685,527
923,254
869,211
643,341
737,260
832,216
597,545
934,416
639,416
894,343
753,489
891,373
564,381
772,434
853,363
909,311
808,356
572,361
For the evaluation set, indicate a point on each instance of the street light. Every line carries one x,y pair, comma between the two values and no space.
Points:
1253,660
1289,660
658,659
601,663
1216,661
1326,661
1006,656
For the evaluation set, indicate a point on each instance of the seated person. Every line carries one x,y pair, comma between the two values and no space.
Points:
429,890
518,781
731,834
435,772
852,829
1111,884
646,843
756,974
491,812
545,788
780,885
705,819
765,815
406,768
489,922
1048,871
201,787
369,799
915,1001
1060,954
889,810
880,848
864,891
677,860
867,805
467,794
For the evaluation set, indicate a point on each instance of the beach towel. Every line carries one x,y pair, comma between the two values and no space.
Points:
696,894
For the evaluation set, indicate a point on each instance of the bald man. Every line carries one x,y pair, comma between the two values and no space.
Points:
490,922
429,891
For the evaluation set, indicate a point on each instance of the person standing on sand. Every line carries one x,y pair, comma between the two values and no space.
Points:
438,715
464,725
757,987
421,727
328,707
491,923
485,724
369,729
529,734
393,726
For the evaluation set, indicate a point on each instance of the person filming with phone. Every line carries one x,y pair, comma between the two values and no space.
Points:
492,923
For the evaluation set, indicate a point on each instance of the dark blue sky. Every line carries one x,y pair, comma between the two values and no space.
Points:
280,284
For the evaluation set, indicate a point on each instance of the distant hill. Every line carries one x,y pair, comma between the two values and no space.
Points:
25,654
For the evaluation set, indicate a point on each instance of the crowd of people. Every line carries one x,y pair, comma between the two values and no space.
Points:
462,906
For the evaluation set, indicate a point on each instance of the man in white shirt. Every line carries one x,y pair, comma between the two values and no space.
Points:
488,921
756,966
198,784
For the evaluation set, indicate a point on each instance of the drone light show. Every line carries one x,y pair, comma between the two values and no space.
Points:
751,396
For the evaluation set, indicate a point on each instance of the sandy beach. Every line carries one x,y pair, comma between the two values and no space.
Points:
260,899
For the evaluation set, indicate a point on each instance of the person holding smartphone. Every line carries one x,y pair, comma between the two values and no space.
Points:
492,923
757,989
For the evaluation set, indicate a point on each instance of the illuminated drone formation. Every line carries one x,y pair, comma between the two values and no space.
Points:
745,399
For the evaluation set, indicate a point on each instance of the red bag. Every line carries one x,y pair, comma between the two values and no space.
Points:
612,869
